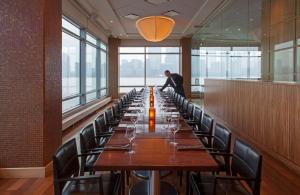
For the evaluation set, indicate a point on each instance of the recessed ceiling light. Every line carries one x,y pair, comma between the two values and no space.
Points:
171,13
111,21
239,29
132,16
157,2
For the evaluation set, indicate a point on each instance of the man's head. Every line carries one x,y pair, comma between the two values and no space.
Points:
167,73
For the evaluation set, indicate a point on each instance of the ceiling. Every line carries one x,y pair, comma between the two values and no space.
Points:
110,14
239,21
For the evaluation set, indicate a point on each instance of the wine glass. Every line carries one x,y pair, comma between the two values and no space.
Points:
130,135
134,120
174,129
168,118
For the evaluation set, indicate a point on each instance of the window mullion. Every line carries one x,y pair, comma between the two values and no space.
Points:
98,69
82,67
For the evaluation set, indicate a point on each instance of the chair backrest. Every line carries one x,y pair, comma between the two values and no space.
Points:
65,164
246,162
206,124
100,125
109,116
87,139
180,102
222,138
197,115
115,109
185,105
190,109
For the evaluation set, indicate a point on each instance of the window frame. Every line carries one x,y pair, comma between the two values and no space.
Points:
229,55
100,46
145,53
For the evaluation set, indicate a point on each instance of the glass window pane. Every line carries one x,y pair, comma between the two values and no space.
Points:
70,26
70,65
238,67
198,70
216,66
128,89
91,39
103,92
69,104
91,80
283,65
162,50
91,96
103,69
156,64
103,46
132,70
255,67
132,50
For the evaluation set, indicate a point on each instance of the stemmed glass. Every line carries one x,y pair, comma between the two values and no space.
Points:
130,135
168,118
174,130
134,120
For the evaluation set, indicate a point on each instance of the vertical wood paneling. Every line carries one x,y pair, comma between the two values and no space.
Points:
265,113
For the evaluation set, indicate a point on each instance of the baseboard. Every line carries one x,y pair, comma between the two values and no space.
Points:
27,172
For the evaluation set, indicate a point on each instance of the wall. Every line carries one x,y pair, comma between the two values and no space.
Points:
30,82
265,114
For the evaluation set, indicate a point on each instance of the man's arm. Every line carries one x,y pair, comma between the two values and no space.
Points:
166,84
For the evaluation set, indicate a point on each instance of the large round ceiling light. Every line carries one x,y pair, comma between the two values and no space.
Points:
155,28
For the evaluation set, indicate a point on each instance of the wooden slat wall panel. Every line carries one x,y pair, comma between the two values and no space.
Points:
265,113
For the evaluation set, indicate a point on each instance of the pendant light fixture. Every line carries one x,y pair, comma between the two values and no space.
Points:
155,28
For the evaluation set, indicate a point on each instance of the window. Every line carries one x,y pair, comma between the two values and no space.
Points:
224,62
140,66
284,61
77,88
91,81
103,70
70,66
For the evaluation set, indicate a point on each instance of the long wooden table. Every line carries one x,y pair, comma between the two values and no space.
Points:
154,152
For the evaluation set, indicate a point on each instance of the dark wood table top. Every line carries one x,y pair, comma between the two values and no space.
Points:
153,150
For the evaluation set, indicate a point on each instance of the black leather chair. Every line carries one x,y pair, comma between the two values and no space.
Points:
204,129
195,121
116,111
66,177
101,126
110,120
189,114
88,144
245,166
184,108
221,144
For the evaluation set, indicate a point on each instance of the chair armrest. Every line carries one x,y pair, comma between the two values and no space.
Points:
227,177
203,135
80,178
221,153
87,154
104,135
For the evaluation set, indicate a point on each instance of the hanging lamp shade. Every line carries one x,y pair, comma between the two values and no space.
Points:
155,28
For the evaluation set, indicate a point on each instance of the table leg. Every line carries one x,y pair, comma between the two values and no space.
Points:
154,183
187,183
123,185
